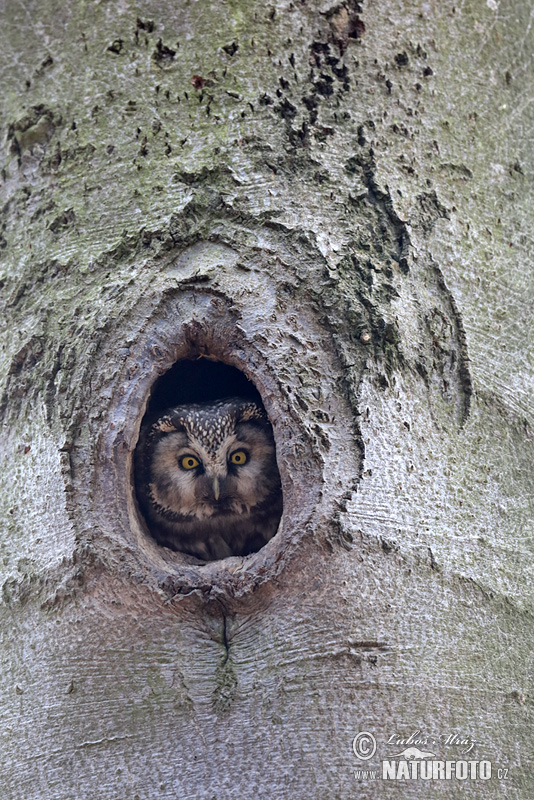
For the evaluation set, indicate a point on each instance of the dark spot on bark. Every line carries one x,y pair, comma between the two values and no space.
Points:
163,55
198,82
116,47
383,382
231,49
324,85
341,73
286,109
299,137
357,28
402,130
320,49
427,72
401,59
44,65
145,25
311,104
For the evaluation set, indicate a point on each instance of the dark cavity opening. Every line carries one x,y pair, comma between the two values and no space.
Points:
200,381
206,478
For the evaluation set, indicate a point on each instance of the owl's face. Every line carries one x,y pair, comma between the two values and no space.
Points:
213,460
191,477
207,479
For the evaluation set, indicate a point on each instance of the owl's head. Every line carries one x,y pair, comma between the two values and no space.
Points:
211,459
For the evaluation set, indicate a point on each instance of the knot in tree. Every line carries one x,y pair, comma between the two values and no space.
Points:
266,444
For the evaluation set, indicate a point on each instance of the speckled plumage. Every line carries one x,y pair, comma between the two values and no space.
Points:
217,508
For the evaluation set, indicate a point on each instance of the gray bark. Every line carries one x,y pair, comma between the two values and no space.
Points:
337,199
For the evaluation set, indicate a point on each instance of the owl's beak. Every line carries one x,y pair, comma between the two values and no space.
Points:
216,488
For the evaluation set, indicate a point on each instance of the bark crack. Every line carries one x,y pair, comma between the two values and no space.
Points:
225,677
225,640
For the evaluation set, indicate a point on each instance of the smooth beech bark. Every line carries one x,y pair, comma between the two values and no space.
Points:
336,199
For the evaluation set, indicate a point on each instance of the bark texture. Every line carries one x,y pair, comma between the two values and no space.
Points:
336,198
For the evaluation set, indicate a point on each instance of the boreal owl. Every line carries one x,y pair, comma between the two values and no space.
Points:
207,480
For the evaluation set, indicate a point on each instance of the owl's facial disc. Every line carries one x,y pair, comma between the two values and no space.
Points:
207,480
196,477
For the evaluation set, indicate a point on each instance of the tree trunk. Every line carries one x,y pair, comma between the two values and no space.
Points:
335,199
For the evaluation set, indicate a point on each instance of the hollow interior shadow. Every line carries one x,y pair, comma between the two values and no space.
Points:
199,381
210,502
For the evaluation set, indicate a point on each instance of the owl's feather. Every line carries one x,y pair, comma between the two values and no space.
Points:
218,508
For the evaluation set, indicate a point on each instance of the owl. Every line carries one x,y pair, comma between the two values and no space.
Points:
206,478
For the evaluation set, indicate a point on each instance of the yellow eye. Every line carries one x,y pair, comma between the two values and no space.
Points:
239,458
189,462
